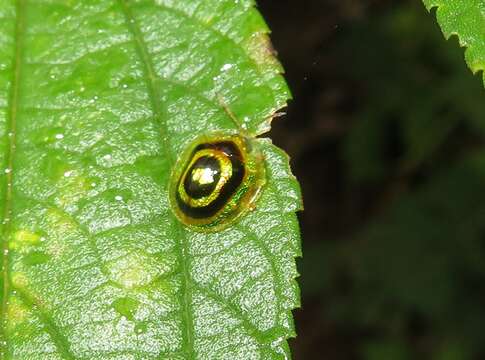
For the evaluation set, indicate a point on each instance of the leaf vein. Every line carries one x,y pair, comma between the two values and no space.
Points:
213,30
155,97
51,328
250,328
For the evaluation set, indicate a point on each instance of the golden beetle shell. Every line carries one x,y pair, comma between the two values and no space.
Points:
216,180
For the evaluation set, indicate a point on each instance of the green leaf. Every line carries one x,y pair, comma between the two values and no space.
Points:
97,100
466,19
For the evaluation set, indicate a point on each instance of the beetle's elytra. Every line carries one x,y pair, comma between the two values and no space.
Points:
216,180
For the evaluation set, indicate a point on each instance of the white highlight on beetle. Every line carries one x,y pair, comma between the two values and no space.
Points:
204,175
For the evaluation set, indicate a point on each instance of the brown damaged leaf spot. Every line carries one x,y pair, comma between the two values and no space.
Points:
262,52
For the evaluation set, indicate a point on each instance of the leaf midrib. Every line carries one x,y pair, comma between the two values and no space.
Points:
10,153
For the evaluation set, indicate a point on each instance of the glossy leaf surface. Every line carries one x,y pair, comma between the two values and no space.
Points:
97,100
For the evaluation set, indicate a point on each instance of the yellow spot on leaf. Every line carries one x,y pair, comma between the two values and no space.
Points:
19,280
26,236
16,313
23,238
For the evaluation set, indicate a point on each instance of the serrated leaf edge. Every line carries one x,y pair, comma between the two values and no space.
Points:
475,67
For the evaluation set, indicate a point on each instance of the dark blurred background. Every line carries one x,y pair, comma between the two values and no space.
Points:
386,134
